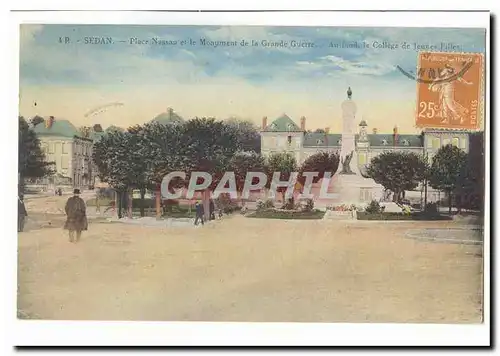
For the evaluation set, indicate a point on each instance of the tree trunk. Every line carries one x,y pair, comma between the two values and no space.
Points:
206,204
119,205
449,202
158,201
425,194
143,193
395,195
129,201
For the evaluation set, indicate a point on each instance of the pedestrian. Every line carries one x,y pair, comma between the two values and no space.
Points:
21,213
212,210
76,220
199,213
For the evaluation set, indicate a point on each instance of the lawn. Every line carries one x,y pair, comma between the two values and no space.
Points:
287,214
417,216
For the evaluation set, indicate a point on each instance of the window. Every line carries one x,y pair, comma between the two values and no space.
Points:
406,143
273,126
319,142
289,139
429,142
463,143
339,142
290,127
64,162
51,147
446,141
385,143
65,147
436,143
455,141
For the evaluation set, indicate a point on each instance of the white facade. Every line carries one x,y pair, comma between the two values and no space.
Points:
72,159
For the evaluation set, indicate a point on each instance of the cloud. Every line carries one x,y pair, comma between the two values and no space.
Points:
28,33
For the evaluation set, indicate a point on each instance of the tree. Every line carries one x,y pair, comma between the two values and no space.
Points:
320,131
36,120
397,171
470,190
166,153
84,131
283,162
321,162
247,133
446,169
31,159
243,162
111,155
208,146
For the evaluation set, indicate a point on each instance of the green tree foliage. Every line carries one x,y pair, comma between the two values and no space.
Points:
31,159
397,171
209,144
447,170
283,162
243,162
470,191
321,162
247,133
111,155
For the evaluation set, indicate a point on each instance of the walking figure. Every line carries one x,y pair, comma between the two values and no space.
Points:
21,213
199,213
212,210
76,220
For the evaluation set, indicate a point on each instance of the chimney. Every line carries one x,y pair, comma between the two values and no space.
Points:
395,135
375,130
49,122
264,123
303,123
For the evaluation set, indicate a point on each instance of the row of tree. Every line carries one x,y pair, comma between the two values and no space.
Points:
140,157
458,174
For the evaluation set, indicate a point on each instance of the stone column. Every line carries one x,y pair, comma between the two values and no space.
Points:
348,133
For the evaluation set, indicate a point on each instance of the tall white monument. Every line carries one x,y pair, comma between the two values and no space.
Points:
348,145
348,183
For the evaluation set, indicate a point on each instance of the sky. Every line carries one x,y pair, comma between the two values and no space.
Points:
70,80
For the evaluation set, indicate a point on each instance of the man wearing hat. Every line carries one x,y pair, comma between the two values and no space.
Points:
199,213
76,220
21,213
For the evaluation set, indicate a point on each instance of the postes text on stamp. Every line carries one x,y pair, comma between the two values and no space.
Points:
452,97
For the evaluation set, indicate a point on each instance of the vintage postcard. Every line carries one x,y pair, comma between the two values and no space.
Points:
251,173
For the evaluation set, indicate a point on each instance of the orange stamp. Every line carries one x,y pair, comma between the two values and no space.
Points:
450,90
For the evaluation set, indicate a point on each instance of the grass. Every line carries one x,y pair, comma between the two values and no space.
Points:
418,216
287,214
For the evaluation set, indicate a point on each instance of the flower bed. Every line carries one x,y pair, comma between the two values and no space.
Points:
287,214
344,207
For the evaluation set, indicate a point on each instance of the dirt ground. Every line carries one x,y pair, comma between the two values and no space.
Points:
241,269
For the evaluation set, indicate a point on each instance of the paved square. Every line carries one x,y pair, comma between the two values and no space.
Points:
241,269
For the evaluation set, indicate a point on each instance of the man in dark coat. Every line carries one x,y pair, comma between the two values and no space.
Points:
199,213
212,209
21,213
76,220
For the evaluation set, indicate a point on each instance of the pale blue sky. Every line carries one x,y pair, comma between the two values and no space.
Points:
249,82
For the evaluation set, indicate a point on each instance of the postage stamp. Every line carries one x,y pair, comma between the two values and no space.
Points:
449,90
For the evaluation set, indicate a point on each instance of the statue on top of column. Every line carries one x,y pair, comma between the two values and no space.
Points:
349,93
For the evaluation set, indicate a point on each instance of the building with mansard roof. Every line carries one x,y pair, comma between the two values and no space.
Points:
284,134
70,151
